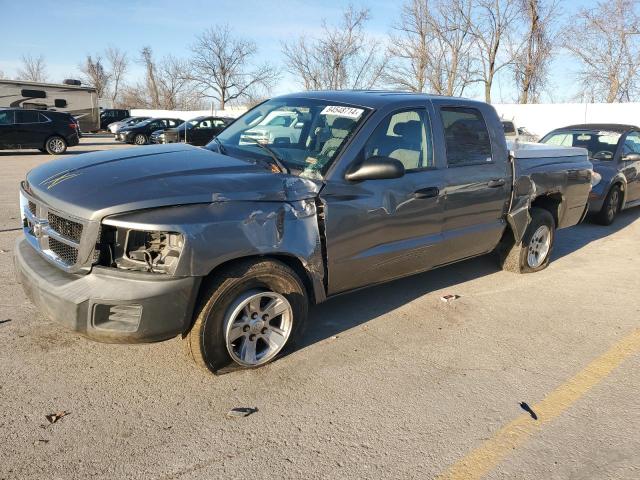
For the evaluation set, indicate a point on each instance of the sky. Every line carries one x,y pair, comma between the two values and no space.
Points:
65,32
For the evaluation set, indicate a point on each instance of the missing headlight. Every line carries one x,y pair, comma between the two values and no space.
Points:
157,251
148,251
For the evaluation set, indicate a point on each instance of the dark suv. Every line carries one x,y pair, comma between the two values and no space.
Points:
111,115
47,131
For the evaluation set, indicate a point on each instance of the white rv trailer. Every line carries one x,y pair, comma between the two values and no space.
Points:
81,102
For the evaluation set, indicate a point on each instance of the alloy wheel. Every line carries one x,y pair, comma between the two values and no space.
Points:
257,327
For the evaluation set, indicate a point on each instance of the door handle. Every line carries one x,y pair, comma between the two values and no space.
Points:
496,182
429,192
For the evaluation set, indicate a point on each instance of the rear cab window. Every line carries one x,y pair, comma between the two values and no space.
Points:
467,138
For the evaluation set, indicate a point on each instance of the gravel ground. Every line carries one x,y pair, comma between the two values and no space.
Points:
390,383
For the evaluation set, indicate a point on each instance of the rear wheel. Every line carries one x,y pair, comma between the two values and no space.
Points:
610,207
247,316
534,252
55,145
140,139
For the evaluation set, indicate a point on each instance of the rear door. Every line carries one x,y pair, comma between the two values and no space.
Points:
477,183
631,169
7,129
32,128
377,230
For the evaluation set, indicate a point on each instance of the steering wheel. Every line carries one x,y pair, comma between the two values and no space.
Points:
603,155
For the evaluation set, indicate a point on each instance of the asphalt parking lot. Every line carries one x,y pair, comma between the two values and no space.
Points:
523,376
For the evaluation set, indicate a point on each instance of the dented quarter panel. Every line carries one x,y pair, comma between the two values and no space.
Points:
568,179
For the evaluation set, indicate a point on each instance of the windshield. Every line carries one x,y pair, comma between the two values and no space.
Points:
305,134
601,145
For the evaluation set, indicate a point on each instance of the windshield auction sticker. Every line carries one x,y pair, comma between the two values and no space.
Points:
340,111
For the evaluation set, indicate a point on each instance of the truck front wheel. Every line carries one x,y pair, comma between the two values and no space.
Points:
247,315
534,252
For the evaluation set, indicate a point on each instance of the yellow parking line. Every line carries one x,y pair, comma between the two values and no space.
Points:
488,455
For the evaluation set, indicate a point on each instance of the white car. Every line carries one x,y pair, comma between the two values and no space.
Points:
280,126
127,122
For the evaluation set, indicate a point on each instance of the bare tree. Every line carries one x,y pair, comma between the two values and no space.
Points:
606,41
492,23
531,64
173,88
146,55
432,48
33,69
118,66
95,75
221,67
342,56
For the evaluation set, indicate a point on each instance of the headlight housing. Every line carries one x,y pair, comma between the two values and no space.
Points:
140,250
595,179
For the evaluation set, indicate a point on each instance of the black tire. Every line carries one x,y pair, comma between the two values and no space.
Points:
515,258
205,342
55,145
610,206
140,139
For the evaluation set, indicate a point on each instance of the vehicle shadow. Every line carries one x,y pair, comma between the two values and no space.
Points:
344,312
350,310
572,239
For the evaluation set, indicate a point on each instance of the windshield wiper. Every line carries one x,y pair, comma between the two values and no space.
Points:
221,148
272,154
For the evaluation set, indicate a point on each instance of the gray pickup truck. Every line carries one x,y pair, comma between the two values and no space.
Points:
228,245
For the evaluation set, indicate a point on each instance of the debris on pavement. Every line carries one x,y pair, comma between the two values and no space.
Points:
239,412
449,298
525,406
5,320
54,417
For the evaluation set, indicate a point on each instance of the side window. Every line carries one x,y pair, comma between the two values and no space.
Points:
466,136
27,116
631,143
42,118
405,136
6,117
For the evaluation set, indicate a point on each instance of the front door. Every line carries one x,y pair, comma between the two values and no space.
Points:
202,133
631,168
377,230
477,185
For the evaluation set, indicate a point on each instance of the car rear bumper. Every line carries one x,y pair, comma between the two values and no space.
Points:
108,305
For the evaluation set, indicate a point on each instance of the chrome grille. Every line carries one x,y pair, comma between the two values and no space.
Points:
66,253
66,241
66,228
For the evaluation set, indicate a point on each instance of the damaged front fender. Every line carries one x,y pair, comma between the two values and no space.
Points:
220,232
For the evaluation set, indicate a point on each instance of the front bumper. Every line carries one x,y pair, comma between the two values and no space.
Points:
108,305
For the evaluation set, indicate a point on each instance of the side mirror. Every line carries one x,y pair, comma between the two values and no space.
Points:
376,168
299,125
631,157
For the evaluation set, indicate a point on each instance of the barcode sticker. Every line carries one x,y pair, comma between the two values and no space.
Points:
339,111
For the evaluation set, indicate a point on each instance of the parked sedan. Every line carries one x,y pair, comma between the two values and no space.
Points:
197,131
127,122
139,134
614,151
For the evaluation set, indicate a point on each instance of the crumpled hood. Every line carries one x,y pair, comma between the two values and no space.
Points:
94,185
